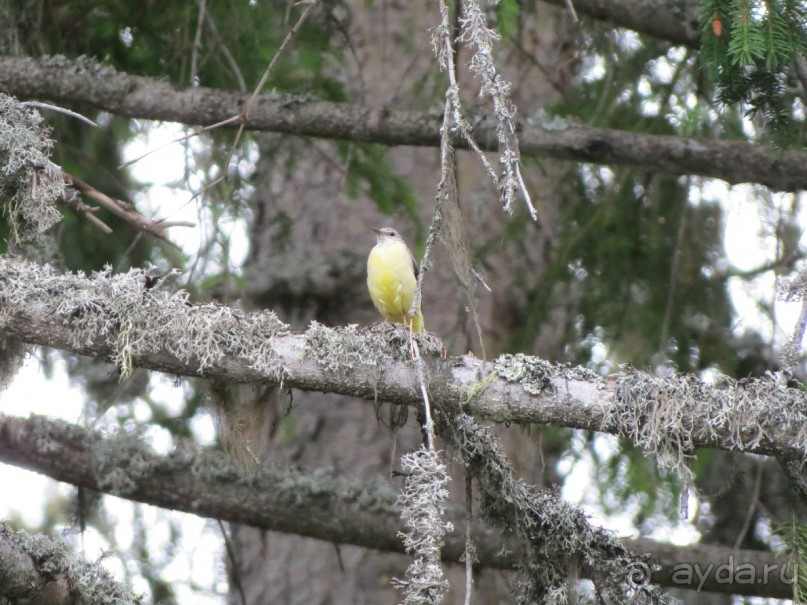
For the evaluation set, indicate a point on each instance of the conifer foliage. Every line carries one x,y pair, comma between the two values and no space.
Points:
755,51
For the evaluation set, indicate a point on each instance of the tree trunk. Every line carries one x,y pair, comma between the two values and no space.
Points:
309,244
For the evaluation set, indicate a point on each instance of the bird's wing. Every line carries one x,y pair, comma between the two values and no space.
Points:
415,267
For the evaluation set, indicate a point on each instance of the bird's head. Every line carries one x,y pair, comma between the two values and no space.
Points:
387,235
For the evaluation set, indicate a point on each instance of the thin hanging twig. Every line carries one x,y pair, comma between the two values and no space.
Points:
470,549
197,43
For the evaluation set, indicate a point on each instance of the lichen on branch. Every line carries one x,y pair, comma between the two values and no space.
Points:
138,316
30,184
46,571
423,506
670,416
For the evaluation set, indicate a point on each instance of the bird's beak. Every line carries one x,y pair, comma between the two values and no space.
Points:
379,231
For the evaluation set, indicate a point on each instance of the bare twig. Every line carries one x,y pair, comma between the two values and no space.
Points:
572,12
425,263
87,212
236,568
195,133
481,280
239,77
197,42
470,549
56,108
777,264
286,41
675,265
752,506
124,210
244,115
428,424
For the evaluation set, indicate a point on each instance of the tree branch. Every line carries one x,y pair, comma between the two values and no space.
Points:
672,20
39,569
83,81
324,506
131,321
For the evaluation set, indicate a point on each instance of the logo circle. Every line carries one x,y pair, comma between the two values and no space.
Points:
638,574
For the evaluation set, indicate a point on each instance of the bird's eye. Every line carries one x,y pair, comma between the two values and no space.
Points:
391,233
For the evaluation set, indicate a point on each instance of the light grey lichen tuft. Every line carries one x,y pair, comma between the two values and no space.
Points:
568,371
533,373
89,582
475,34
657,414
138,319
350,347
344,349
547,121
30,184
120,462
80,65
792,289
422,502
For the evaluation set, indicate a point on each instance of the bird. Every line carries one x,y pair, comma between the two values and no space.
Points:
392,278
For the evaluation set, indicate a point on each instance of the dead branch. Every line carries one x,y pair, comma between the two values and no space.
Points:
124,210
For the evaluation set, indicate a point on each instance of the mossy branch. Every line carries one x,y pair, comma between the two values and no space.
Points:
325,506
39,569
166,332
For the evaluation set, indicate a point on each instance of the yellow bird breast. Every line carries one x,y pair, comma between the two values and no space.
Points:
391,281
